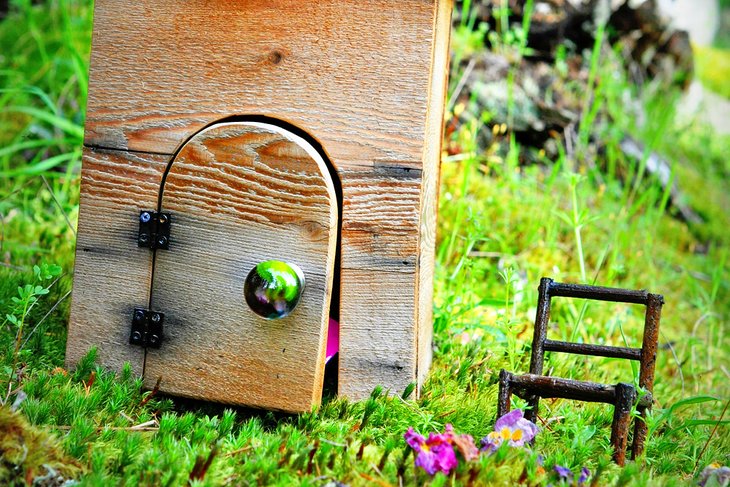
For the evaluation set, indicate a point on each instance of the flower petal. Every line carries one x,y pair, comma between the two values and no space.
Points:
445,457
528,428
508,420
585,474
414,440
491,442
438,438
465,445
427,461
563,472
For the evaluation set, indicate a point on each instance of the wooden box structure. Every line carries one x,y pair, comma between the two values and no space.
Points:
303,131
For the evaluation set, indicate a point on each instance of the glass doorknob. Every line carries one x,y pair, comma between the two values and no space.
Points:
273,288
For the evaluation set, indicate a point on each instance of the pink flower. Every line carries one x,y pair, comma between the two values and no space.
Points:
435,454
512,428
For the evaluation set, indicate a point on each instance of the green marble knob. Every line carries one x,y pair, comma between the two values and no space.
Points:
273,288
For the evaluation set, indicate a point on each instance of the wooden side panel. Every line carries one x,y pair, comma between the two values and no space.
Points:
377,333
388,240
430,188
240,194
354,74
112,274
378,279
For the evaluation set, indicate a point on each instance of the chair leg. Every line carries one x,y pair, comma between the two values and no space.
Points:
637,448
648,362
532,403
505,391
625,397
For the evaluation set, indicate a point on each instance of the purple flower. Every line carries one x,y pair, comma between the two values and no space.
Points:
563,472
490,443
715,471
512,428
434,454
585,474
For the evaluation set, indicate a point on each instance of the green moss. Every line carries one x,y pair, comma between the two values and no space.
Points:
30,453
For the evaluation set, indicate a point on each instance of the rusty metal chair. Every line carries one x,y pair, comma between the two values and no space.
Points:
534,385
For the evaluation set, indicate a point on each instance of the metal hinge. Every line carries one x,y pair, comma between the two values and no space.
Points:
146,328
154,230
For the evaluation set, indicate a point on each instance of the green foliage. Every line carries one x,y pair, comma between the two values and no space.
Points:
584,217
21,305
713,68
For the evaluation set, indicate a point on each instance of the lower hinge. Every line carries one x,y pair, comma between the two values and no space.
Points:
154,230
146,328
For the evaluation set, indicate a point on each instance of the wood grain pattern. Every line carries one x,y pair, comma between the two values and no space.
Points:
240,194
112,275
380,224
355,74
378,280
377,332
388,230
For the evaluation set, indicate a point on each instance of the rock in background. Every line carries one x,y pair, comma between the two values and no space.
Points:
537,89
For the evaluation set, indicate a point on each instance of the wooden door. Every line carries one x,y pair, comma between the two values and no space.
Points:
240,194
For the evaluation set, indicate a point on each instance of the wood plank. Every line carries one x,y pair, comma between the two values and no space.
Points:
388,240
377,332
378,279
240,194
380,219
112,275
353,74
430,188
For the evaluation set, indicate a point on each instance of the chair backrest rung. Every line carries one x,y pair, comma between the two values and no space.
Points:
560,289
588,349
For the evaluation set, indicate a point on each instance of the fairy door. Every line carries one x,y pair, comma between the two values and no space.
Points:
246,281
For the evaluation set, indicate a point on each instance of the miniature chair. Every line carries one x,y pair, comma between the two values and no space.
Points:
534,385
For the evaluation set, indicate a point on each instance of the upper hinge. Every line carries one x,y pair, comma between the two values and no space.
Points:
154,230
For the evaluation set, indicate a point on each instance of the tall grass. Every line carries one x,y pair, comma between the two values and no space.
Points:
43,87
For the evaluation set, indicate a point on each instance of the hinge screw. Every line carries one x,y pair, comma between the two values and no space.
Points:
136,336
143,238
162,241
154,340
155,318
145,216
162,218
139,316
